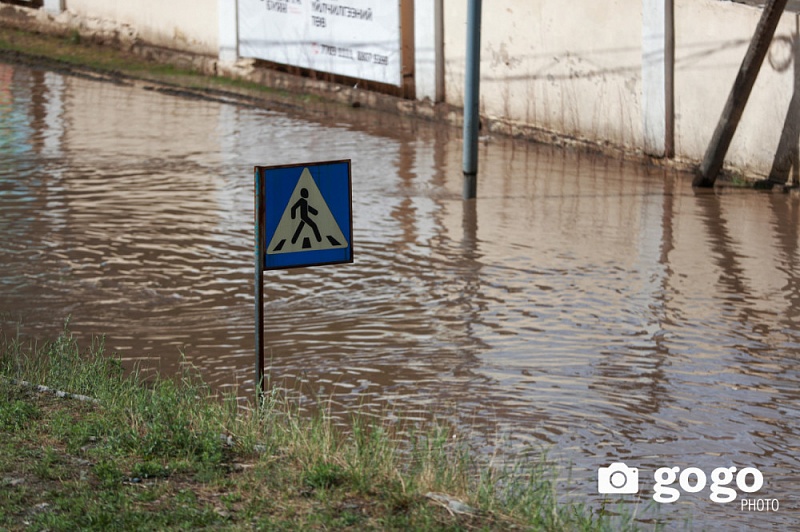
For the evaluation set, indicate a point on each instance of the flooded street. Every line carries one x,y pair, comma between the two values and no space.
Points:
602,310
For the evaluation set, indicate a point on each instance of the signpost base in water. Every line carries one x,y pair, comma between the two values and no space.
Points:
303,217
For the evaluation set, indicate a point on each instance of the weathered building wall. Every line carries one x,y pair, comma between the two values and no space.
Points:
570,67
186,25
576,69
711,40
549,69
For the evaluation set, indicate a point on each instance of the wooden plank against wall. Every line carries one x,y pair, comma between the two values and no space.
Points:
740,92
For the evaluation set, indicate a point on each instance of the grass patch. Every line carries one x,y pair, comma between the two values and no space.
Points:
71,53
71,50
169,454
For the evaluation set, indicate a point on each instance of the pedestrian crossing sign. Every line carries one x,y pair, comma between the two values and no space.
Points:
307,211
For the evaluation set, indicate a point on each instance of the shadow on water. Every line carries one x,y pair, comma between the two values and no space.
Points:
584,304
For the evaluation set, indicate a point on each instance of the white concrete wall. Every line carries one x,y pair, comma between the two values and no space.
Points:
228,36
574,68
570,67
53,6
711,40
657,70
189,25
428,49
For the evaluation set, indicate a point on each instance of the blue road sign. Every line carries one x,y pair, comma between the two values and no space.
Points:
307,212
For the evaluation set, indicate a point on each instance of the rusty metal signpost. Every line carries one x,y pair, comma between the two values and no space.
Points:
303,217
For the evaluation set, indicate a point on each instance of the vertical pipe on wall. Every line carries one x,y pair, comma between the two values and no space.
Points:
228,31
438,16
657,77
429,50
408,48
669,78
471,99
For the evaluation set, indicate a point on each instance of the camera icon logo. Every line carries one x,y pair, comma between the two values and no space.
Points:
617,478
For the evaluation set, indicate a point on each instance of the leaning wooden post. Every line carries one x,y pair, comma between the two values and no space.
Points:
740,92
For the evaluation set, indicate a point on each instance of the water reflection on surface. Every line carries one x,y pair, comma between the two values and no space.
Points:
599,308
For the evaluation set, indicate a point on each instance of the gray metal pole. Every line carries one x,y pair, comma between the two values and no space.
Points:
471,98
669,78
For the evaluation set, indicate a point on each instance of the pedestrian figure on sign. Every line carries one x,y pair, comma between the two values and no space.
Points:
305,210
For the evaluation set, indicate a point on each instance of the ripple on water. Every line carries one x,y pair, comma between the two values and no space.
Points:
589,305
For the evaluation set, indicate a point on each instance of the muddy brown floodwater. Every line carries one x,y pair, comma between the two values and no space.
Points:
601,310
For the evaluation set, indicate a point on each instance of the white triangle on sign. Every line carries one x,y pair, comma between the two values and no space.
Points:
307,223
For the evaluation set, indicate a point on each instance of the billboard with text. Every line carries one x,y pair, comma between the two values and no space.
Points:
356,38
